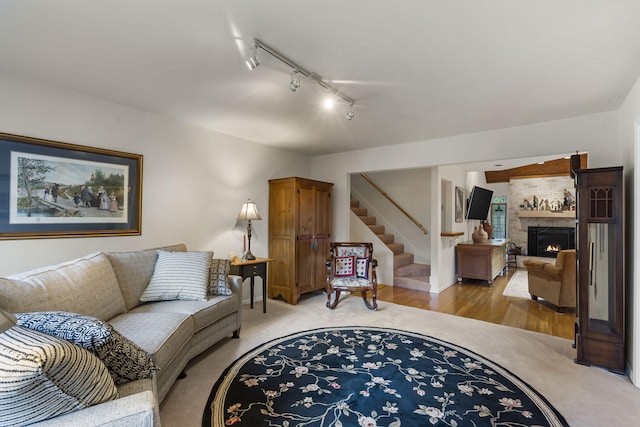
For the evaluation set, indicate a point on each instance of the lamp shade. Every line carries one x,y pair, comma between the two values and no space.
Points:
7,320
249,211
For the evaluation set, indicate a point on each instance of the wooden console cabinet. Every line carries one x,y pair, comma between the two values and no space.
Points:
299,236
483,261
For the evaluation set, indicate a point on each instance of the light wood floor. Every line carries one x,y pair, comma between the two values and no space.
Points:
475,300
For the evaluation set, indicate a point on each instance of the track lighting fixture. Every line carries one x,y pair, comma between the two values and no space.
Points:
253,62
350,115
295,81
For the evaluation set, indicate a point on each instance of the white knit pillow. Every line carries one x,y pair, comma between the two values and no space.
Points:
42,377
179,275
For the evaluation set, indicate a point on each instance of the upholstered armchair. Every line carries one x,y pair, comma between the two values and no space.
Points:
554,282
351,268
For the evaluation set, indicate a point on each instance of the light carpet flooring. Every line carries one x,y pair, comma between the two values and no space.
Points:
585,396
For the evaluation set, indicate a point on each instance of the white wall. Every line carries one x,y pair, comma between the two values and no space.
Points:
629,137
194,180
443,253
409,188
594,133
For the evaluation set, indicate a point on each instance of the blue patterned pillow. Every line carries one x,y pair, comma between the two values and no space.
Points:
124,359
218,277
42,377
362,268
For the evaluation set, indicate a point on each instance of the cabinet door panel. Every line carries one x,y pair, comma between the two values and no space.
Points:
322,254
306,256
323,210
306,210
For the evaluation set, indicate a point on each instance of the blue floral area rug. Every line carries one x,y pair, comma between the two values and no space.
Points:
371,377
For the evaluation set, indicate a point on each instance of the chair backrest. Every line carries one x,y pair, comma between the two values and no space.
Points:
357,250
567,261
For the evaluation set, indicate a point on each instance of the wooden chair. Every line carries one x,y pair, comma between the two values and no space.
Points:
351,268
512,254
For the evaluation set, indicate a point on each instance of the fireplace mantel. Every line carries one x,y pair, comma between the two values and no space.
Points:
546,214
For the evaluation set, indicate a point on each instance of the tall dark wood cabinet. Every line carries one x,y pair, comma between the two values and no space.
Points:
299,234
600,331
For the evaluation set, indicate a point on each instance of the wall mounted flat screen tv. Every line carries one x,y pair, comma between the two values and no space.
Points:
479,203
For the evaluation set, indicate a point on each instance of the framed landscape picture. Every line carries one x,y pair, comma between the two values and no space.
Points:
53,189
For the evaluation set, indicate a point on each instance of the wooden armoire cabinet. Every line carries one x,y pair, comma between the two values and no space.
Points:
299,236
600,335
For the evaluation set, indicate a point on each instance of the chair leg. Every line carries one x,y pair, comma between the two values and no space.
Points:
373,305
336,299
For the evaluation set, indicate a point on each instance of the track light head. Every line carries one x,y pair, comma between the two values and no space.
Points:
350,115
295,81
253,61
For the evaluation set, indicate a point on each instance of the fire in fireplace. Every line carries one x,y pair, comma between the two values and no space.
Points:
548,241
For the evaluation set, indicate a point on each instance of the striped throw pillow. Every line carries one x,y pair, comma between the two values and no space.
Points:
42,377
179,276
124,359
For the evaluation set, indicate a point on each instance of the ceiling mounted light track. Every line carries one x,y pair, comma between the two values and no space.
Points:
253,62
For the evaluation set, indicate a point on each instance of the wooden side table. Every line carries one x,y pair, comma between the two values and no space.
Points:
249,270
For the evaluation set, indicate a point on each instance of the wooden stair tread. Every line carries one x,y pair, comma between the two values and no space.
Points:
413,269
416,283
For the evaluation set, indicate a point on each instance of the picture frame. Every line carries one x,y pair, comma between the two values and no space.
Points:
51,189
459,208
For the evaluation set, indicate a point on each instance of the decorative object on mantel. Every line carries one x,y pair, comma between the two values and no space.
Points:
555,205
479,235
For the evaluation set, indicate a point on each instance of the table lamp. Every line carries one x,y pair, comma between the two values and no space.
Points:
250,213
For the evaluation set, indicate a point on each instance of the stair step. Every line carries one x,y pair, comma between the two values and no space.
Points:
418,283
355,203
359,211
368,220
387,238
396,248
402,259
377,229
412,270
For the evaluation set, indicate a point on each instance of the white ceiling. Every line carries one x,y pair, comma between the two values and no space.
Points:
417,69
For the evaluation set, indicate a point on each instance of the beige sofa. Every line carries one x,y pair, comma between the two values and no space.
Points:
554,282
108,286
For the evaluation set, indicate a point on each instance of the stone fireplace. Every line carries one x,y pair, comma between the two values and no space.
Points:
548,241
519,221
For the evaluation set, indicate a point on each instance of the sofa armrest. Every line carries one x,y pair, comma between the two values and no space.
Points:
543,269
235,283
138,409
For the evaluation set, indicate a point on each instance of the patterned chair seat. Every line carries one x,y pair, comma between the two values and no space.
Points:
350,282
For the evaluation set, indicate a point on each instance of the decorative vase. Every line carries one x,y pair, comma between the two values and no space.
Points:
488,228
479,235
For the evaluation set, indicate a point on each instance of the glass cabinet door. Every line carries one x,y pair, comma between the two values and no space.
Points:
601,279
